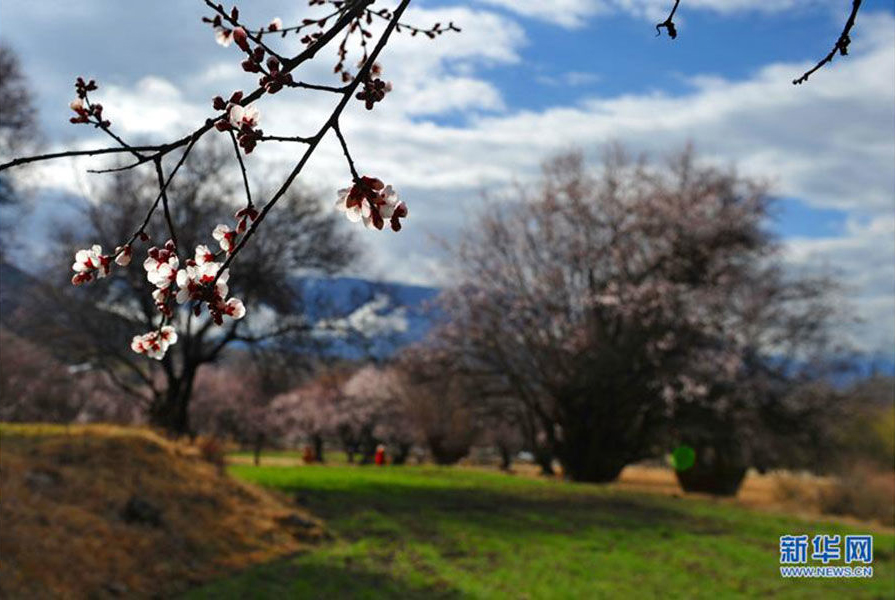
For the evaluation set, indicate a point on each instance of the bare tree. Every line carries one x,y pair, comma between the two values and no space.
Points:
18,127
440,401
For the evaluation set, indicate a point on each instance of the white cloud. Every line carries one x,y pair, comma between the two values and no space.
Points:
862,258
154,106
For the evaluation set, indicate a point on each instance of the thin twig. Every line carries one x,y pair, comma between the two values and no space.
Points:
242,168
314,86
841,45
331,122
164,193
668,23
73,153
345,151
164,188
281,138
220,10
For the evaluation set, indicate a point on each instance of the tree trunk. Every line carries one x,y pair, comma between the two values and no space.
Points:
259,444
170,411
367,446
317,441
401,455
593,469
715,471
593,447
506,457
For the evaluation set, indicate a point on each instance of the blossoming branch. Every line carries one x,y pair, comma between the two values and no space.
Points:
198,277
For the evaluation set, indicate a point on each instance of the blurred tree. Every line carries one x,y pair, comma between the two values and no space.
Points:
18,127
866,430
440,402
36,387
310,411
375,394
605,304
95,324
229,402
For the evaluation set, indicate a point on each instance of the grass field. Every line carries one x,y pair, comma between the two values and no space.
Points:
427,532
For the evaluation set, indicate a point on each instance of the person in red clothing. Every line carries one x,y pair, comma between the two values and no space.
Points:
379,458
308,455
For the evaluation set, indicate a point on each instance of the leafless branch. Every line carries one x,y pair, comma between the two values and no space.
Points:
841,45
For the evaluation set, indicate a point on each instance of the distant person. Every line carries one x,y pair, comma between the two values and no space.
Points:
379,458
307,454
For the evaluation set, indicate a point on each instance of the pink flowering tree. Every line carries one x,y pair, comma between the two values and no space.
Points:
308,412
360,409
605,301
229,402
37,386
379,412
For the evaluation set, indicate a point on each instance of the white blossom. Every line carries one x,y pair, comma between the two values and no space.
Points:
154,344
223,36
225,236
244,115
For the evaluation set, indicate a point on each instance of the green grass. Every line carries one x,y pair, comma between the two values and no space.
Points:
428,532
332,457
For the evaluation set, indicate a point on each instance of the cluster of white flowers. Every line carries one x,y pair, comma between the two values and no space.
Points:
371,201
155,343
200,279
161,271
203,281
91,263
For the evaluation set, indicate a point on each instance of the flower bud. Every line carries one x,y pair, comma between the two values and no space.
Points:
241,39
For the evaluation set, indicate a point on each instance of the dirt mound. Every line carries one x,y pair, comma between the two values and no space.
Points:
101,511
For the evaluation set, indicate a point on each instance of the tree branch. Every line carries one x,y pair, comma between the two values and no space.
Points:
668,23
841,45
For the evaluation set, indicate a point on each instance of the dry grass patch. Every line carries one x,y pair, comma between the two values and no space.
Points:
101,511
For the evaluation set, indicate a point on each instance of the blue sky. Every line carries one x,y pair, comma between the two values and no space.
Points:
477,111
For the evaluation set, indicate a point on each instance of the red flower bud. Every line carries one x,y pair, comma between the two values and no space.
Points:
241,39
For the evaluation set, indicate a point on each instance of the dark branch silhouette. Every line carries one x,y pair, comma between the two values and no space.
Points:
841,45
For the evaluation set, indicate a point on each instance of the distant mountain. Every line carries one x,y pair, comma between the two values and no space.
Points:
367,318
14,284
362,318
